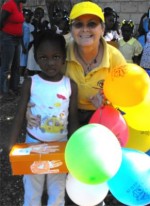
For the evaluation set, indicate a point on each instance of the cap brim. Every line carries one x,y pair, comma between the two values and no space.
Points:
86,12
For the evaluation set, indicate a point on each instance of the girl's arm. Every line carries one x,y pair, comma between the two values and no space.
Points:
20,113
24,49
73,122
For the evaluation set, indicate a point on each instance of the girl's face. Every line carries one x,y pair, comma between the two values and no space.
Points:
51,60
126,32
27,17
87,30
109,21
39,14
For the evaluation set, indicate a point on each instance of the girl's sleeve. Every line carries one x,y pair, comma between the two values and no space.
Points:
138,48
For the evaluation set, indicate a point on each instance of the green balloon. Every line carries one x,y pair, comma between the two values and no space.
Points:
93,154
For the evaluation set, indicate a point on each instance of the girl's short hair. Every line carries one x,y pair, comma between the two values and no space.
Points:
49,35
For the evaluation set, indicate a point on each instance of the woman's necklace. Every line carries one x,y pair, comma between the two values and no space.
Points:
88,66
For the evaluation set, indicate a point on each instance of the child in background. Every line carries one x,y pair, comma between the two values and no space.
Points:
55,99
25,43
60,24
143,25
112,32
128,45
38,21
38,24
145,59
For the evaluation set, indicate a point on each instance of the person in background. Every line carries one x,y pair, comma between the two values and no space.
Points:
143,28
145,58
25,43
112,32
128,45
143,25
89,59
66,30
57,23
11,22
38,21
0,52
60,24
37,24
55,97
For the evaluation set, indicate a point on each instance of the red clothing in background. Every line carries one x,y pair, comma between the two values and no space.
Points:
13,24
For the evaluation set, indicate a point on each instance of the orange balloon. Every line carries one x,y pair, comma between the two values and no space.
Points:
126,85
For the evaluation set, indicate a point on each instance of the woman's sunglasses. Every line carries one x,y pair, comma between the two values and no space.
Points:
90,24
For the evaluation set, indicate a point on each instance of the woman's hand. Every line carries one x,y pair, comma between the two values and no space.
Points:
99,100
32,120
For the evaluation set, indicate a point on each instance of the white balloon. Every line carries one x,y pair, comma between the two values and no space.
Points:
85,194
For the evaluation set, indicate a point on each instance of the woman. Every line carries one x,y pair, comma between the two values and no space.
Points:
11,22
89,57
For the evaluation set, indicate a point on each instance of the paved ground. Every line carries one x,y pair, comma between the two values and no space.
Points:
11,190
11,187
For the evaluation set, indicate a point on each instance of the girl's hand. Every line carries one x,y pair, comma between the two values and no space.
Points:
32,120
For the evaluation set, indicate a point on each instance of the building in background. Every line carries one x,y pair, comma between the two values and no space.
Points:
126,9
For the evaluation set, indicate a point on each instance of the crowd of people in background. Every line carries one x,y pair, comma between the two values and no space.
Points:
134,47
17,37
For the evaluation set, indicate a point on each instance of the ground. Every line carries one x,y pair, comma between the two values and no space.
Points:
11,187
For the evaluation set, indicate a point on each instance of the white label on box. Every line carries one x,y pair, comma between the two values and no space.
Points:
23,151
45,167
44,148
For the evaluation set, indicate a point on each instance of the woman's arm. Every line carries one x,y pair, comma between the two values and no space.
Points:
20,113
4,15
32,120
73,122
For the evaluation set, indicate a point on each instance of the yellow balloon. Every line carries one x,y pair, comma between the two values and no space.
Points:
139,140
126,85
138,116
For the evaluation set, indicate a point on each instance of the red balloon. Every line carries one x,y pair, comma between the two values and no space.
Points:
113,120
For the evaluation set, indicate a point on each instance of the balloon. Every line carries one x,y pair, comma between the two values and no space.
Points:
84,194
126,85
113,120
93,154
131,184
137,116
139,140
148,152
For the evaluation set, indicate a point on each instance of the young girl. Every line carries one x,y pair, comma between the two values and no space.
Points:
128,45
25,42
55,99
145,59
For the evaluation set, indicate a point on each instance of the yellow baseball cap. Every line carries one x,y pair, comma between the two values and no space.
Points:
87,7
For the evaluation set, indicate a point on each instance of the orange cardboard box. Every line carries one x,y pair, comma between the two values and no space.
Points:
38,158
